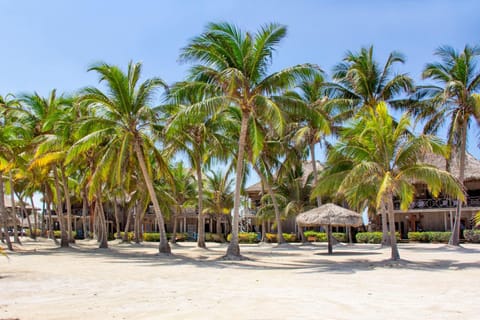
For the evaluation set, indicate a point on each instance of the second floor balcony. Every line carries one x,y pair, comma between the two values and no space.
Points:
439,203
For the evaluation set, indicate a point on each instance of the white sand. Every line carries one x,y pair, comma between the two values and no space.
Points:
130,281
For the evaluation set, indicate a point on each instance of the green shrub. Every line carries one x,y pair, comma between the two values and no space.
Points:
429,236
151,237
369,237
372,237
179,236
244,237
129,235
472,236
289,237
58,234
322,236
37,232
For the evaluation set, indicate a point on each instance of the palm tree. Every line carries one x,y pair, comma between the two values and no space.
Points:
125,115
183,192
453,102
200,136
363,83
317,117
375,157
233,68
45,116
219,196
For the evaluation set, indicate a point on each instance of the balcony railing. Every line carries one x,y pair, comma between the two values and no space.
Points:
441,203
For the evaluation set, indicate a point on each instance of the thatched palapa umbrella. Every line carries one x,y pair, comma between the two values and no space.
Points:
329,215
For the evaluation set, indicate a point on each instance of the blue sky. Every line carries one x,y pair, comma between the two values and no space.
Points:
50,44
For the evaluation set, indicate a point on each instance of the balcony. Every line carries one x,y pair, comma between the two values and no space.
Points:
439,203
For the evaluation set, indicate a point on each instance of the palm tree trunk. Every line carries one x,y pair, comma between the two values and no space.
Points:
68,204
136,221
175,223
13,213
51,235
455,238
315,172
233,250
391,220
24,212
264,231
84,212
164,247
102,224
4,214
35,218
219,227
117,218
201,218
127,225
280,238
385,238
61,219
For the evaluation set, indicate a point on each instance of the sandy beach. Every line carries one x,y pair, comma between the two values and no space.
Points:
129,281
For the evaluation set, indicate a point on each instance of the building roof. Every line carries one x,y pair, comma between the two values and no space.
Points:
8,203
307,170
472,165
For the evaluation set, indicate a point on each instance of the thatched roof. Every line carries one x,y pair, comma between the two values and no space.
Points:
8,203
329,214
472,165
307,170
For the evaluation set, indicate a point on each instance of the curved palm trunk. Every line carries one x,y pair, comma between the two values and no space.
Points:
280,238
174,231
315,172
84,212
201,218
35,218
68,204
117,218
3,212
13,213
393,239
61,219
102,223
233,250
164,247
127,225
385,237
455,238
24,212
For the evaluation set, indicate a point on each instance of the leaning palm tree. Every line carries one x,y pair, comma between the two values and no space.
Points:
232,65
125,115
452,103
375,157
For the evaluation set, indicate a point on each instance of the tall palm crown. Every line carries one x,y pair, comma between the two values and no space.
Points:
453,102
123,118
364,83
378,158
233,66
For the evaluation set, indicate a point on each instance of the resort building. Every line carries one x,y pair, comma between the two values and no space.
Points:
427,213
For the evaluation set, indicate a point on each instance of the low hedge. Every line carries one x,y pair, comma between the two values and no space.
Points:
37,232
58,234
430,236
322,236
472,236
289,237
245,237
214,237
372,237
